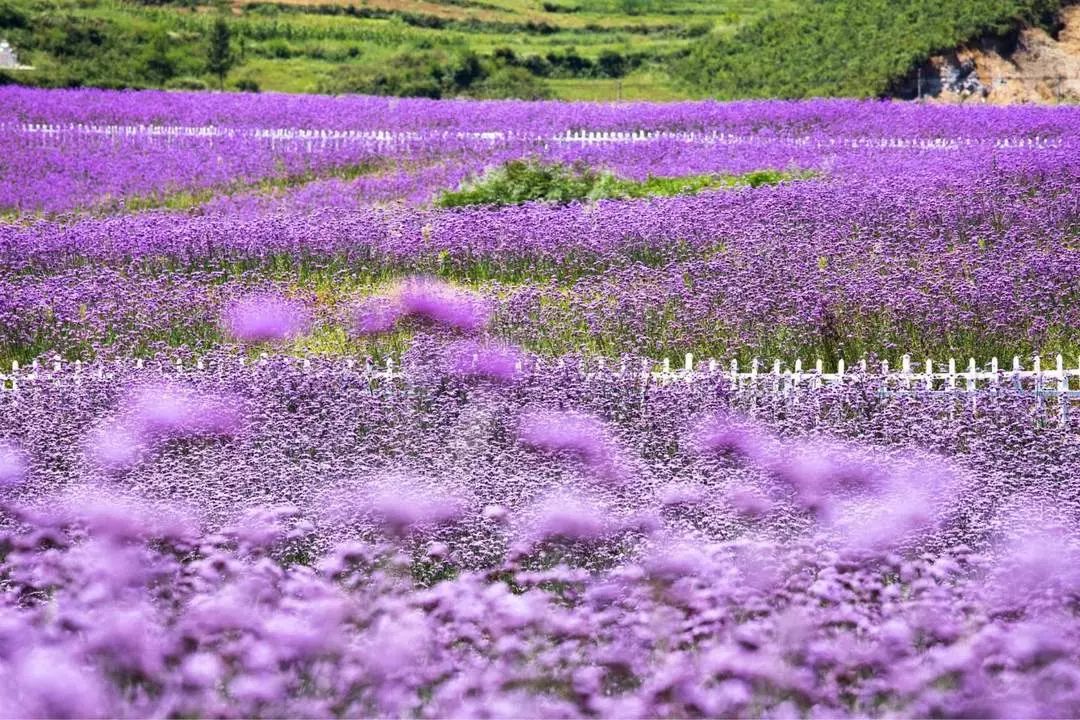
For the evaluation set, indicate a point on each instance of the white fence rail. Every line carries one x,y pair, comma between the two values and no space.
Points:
1057,383
1055,379
325,138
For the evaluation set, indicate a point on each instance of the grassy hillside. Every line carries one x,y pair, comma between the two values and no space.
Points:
585,49
571,49
854,48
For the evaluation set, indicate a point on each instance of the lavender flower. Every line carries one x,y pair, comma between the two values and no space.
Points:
495,361
582,436
377,315
443,304
265,318
170,410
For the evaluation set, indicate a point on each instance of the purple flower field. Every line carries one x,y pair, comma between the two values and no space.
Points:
280,437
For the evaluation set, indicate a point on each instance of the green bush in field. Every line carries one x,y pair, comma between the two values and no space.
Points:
511,82
519,181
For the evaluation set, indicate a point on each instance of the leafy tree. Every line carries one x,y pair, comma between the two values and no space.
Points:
220,58
611,64
158,65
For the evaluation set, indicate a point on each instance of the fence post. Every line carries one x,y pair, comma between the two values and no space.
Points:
1016,372
1063,391
1038,384
688,364
905,369
971,387
929,374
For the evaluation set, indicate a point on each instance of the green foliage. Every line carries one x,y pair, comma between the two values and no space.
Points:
12,17
857,48
519,181
436,73
510,82
219,56
69,48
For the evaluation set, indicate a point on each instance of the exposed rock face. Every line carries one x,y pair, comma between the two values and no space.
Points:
1032,66
8,59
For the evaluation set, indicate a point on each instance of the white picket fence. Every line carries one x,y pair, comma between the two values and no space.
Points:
1043,381
320,139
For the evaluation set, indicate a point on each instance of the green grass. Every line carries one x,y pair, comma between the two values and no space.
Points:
651,86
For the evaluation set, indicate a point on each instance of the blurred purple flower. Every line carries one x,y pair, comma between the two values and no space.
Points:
171,410
726,434
585,437
872,505
377,315
51,684
13,465
404,504
569,516
266,317
443,304
492,360
115,447
749,502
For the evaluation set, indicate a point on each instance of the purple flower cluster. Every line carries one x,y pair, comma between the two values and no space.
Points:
445,548
265,318
154,414
497,519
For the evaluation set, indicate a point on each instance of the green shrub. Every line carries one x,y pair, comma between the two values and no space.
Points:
519,181
12,17
511,83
